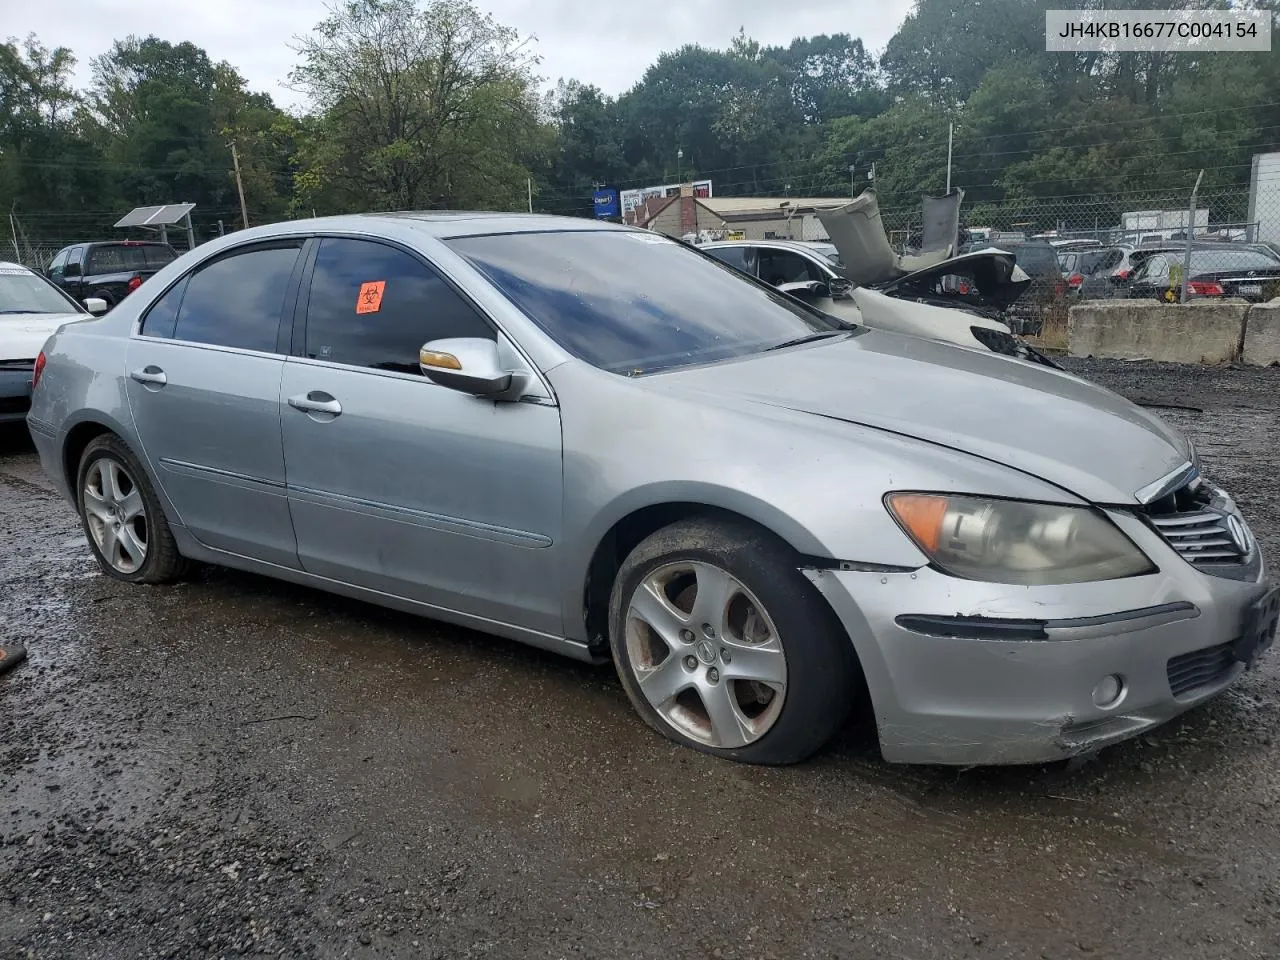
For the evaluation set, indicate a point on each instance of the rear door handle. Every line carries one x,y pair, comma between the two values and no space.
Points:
152,375
317,401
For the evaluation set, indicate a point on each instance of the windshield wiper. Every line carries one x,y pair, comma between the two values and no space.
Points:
808,338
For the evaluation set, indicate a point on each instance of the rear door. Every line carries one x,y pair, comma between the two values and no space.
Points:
204,387
401,485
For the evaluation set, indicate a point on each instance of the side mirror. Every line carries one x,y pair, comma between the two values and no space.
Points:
71,270
97,306
839,287
469,365
806,289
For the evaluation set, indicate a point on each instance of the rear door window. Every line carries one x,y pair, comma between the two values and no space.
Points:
373,305
237,300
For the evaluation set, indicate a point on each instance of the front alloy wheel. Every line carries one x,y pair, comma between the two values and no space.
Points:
706,654
724,645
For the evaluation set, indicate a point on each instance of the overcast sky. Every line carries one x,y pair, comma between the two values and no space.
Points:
606,43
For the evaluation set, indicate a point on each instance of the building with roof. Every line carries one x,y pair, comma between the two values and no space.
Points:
746,218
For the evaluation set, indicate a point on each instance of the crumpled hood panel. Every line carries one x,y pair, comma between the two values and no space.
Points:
1041,421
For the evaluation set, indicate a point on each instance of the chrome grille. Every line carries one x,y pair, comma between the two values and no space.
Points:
1200,536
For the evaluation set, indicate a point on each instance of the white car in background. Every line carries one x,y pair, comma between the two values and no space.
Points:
31,310
858,277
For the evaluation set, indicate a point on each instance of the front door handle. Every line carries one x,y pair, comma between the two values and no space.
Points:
150,375
317,401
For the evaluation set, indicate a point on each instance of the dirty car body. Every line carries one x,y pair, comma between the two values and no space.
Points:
1013,564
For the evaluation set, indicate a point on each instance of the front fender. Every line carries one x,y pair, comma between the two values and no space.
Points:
816,482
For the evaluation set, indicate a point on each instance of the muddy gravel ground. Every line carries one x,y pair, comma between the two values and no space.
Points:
234,766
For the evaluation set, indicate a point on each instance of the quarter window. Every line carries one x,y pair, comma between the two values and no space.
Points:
162,316
237,301
372,305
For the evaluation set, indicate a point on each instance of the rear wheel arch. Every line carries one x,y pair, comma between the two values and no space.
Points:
78,439
85,432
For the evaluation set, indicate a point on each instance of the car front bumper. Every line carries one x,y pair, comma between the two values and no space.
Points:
970,673
15,393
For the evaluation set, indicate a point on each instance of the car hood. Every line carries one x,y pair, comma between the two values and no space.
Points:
995,273
867,259
1041,421
22,335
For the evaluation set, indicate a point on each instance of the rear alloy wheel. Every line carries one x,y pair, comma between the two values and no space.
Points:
122,517
722,644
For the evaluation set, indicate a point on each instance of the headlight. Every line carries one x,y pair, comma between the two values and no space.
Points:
1011,541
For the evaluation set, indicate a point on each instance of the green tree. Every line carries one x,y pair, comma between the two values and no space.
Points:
418,105
46,163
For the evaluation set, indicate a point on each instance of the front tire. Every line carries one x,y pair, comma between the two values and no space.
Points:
122,517
724,646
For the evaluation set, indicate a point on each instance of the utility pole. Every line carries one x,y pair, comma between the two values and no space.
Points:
244,210
529,181
1191,232
17,252
951,129
853,183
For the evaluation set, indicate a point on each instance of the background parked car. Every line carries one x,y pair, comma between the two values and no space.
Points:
1048,289
31,309
110,270
1115,267
1219,271
943,302
1078,264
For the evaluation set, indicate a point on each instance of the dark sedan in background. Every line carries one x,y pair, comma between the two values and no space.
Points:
1246,273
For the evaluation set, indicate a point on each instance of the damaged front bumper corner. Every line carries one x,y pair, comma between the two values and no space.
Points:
1035,674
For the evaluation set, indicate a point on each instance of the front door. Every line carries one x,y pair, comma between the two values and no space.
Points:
203,381
401,485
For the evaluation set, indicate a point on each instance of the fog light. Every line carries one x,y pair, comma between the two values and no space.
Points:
1108,692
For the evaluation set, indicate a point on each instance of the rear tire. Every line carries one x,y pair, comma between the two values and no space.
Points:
122,517
724,646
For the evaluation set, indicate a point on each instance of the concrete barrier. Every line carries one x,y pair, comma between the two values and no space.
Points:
1262,335
1149,330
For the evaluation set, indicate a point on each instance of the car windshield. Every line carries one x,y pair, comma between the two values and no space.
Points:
634,303
22,291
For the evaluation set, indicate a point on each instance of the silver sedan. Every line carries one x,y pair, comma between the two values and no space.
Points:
601,442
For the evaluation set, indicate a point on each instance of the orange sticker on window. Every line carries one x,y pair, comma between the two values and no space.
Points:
370,298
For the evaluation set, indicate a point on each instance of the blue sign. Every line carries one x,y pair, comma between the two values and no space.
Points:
606,203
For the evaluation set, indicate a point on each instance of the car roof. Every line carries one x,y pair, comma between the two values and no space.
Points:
782,243
462,223
443,224
10,265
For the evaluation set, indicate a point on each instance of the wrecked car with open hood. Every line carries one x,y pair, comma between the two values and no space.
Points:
963,299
